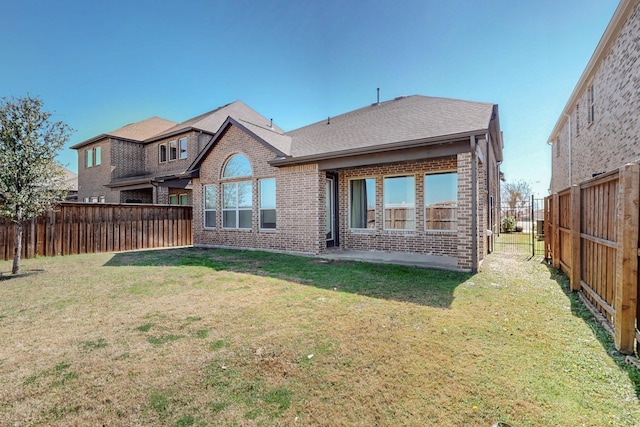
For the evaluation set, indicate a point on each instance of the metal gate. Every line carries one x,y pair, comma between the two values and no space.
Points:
521,228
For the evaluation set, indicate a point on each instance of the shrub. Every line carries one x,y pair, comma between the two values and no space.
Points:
508,224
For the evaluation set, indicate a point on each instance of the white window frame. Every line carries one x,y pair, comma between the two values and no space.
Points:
204,205
262,209
182,148
384,204
237,208
160,150
174,198
448,230
375,206
173,150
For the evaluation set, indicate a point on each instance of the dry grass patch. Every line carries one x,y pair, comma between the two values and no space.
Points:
210,337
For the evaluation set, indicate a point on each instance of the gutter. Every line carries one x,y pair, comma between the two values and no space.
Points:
441,139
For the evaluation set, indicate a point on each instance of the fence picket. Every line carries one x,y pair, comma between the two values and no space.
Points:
73,228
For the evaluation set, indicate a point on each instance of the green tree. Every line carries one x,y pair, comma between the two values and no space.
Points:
31,181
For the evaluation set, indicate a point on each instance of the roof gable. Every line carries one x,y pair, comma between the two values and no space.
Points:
212,121
269,138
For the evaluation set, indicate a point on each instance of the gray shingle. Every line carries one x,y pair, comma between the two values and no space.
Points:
400,120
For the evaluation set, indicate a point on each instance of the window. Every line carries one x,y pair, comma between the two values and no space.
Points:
236,205
577,119
183,148
101,199
236,166
441,201
89,158
268,203
399,203
184,199
162,153
97,156
210,206
173,150
173,199
362,203
591,105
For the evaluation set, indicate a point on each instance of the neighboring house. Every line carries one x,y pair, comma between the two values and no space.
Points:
145,162
599,128
413,175
71,180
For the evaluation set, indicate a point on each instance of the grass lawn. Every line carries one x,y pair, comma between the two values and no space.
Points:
217,337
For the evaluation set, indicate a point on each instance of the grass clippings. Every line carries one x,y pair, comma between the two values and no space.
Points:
220,337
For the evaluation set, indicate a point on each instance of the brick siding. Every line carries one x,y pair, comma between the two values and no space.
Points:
300,206
612,139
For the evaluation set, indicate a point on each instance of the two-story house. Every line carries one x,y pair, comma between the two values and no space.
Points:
145,162
599,128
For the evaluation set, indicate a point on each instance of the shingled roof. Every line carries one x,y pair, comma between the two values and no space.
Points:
138,131
404,119
210,122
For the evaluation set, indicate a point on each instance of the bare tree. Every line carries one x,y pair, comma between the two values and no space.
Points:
31,181
516,195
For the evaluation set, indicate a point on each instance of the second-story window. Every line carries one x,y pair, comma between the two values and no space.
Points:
89,158
183,148
591,105
162,153
173,150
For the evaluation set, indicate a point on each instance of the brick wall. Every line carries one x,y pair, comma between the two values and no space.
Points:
414,241
612,139
91,180
297,200
152,159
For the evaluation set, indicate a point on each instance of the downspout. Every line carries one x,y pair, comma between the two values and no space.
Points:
474,207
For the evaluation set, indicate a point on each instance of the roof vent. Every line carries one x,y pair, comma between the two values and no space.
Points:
329,120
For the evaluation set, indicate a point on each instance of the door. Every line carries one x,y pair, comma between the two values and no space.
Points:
331,212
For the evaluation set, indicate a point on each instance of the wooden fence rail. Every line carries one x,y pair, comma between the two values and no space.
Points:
75,228
592,235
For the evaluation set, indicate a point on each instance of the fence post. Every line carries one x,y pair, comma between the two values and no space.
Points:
555,262
626,285
575,239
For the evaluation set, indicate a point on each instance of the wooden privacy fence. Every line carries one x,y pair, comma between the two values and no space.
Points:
74,228
592,235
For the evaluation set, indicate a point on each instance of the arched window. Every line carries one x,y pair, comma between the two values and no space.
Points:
238,165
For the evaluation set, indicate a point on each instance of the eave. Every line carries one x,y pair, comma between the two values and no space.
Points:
378,149
619,19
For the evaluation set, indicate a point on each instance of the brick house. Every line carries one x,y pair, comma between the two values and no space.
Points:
145,162
599,128
415,175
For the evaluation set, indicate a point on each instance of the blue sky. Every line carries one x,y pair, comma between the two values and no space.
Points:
101,65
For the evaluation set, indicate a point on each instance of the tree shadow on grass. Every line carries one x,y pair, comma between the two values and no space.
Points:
6,275
386,281
579,310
